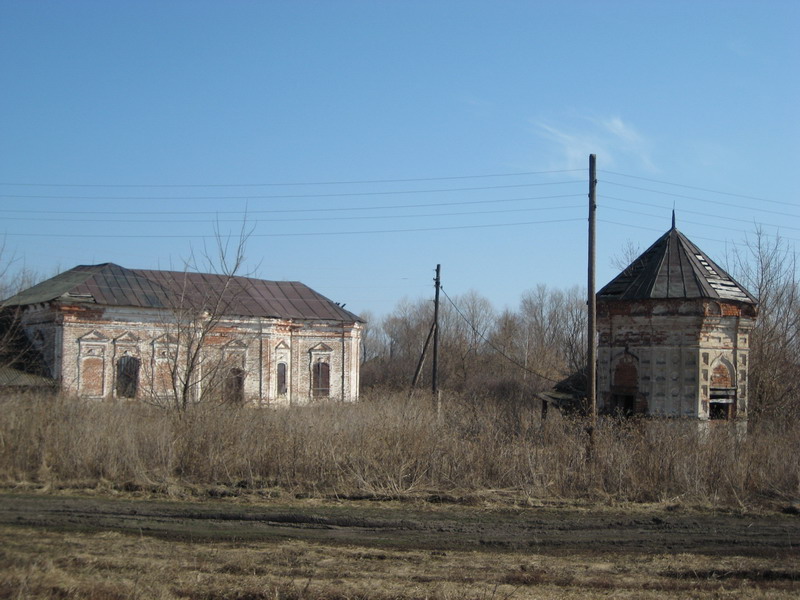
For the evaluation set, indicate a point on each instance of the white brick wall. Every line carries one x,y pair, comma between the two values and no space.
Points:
675,345
83,344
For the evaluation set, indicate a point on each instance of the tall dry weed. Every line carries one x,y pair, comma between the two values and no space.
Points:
393,445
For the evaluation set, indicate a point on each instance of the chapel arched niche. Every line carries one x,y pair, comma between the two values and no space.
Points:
722,390
625,399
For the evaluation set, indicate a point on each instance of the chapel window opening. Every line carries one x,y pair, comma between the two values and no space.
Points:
722,394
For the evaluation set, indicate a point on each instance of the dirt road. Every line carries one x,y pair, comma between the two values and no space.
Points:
421,525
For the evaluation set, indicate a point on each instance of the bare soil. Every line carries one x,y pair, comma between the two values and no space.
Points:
428,526
549,550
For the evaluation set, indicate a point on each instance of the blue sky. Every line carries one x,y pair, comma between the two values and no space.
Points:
368,141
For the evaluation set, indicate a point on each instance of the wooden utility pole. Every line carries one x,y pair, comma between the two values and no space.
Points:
421,361
435,374
591,359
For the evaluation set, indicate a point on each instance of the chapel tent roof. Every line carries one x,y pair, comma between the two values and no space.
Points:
112,285
673,267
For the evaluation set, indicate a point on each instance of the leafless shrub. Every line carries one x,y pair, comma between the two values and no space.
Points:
393,446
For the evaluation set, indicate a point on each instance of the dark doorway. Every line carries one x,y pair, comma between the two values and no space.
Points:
321,380
625,389
281,379
623,405
127,376
234,386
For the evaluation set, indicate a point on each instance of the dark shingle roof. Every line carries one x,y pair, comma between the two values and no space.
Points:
111,285
10,377
673,267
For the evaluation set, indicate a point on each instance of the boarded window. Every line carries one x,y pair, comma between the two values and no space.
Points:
721,377
163,377
127,377
233,388
722,394
91,376
281,379
321,380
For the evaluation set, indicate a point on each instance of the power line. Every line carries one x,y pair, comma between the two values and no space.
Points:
285,210
277,184
700,189
273,235
301,219
720,202
287,196
699,237
694,212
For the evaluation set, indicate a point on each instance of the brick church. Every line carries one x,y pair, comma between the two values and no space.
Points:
105,331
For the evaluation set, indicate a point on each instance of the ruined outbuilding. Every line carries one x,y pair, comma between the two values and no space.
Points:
673,336
104,331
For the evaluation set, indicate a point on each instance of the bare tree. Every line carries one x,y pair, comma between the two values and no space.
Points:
768,268
193,354
554,329
626,255
16,350
467,328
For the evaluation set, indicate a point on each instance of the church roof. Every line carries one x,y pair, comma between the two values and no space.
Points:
673,267
112,285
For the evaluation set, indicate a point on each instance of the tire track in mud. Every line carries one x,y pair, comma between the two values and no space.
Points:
539,530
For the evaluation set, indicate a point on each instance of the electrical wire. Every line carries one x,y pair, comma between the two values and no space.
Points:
274,235
719,202
285,210
287,196
301,219
699,237
691,212
293,183
700,189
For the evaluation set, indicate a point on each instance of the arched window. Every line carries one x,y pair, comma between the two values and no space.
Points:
127,376
234,386
722,395
281,379
321,380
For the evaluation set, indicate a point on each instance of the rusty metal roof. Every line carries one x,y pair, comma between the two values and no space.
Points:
673,267
112,285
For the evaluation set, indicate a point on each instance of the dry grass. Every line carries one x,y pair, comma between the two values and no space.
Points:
392,446
110,566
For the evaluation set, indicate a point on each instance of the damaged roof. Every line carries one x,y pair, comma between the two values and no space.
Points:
673,267
112,285
16,378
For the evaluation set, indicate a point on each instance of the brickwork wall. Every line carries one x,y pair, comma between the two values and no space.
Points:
676,345
41,324
88,341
